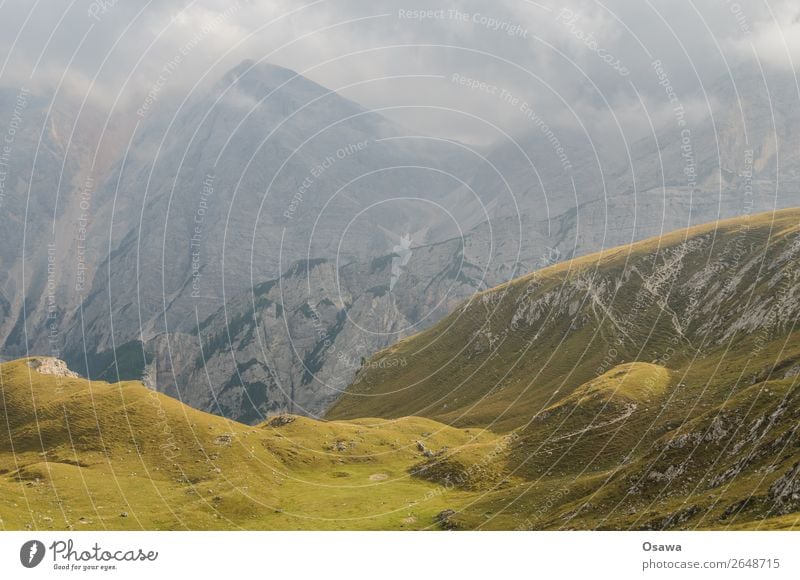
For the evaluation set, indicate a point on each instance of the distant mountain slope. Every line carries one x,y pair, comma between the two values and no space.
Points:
242,180
522,209
654,379
180,218
56,149
293,344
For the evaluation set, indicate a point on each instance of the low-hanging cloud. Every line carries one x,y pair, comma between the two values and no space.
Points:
580,62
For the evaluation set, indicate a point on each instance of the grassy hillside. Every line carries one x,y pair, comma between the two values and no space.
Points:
649,387
78,455
653,385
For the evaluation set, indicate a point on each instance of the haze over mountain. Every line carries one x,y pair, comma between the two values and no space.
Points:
266,212
328,325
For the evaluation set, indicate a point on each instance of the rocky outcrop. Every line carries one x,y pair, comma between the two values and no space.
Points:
51,366
785,492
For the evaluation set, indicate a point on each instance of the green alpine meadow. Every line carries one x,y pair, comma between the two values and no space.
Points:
653,386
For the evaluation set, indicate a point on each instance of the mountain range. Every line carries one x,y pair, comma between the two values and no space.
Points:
245,248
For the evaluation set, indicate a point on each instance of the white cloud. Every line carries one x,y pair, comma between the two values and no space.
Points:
774,40
565,70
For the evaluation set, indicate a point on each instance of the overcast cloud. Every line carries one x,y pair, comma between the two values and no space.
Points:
577,62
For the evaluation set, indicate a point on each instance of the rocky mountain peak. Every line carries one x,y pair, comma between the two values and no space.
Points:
258,79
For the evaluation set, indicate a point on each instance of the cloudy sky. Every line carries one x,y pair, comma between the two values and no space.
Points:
573,62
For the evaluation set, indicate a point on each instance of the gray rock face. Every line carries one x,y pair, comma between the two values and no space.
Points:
48,167
785,492
267,169
293,344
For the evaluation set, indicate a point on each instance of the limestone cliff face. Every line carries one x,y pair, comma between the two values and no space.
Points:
263,169
294,344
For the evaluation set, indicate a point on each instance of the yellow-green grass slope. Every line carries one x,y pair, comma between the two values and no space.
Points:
76,454
648,386
652,386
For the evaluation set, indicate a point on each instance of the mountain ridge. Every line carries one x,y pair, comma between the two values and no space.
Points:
704,317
